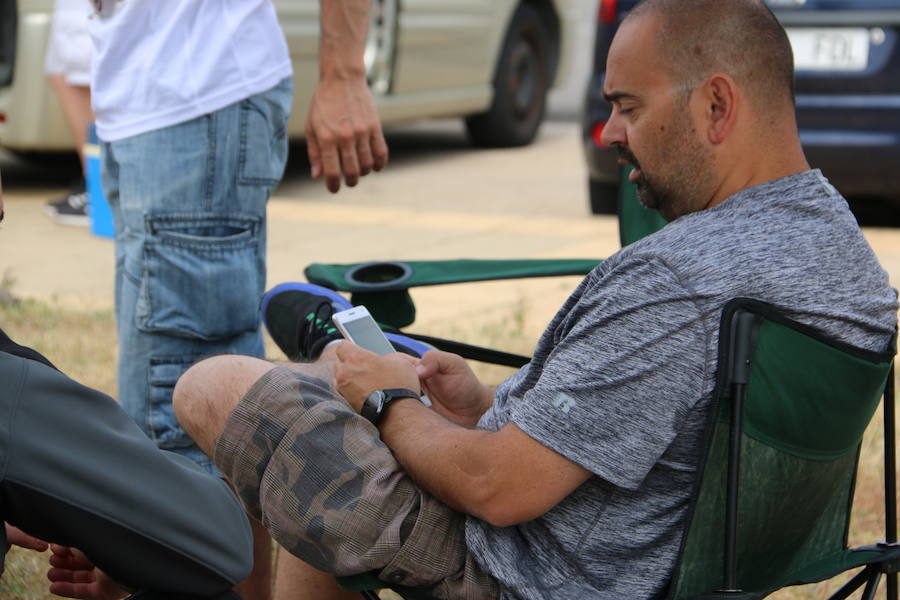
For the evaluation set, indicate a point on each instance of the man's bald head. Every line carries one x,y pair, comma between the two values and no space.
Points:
741,38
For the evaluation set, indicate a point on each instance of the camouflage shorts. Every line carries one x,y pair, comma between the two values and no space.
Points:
330,492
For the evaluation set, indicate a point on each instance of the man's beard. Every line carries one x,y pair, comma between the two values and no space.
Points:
686,183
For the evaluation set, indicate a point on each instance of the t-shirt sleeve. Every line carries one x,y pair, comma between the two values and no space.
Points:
628,365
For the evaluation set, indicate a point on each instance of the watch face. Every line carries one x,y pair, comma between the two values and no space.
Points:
376,398
377,402
373,406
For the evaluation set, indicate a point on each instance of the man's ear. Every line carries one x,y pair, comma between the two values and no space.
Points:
721,102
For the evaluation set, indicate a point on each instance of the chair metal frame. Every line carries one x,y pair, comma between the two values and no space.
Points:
738,377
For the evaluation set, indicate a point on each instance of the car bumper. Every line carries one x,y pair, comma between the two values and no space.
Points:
856,163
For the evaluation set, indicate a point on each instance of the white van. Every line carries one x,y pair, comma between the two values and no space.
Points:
489,61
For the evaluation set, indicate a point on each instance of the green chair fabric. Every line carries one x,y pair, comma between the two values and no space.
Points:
804,408
635,220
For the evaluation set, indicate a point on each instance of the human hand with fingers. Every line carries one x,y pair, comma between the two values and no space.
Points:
73,575
343,133
358,372
454,390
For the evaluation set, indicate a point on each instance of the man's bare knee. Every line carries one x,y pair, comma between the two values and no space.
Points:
207,393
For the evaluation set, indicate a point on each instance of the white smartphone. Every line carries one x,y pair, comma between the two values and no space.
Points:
359,327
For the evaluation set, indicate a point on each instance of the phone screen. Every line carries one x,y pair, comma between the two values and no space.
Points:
366,334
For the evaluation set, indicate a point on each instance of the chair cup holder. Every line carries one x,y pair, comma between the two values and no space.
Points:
375,276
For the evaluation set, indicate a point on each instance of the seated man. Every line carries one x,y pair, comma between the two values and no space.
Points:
572,478
76,472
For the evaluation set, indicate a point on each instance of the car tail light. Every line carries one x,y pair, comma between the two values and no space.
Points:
607,11
2,117
597,132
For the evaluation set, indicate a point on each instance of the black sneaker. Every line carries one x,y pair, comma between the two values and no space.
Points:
71,209
298,318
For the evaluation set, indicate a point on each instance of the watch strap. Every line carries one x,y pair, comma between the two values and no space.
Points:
376,404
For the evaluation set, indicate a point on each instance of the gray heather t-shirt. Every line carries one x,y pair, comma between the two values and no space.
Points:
621,380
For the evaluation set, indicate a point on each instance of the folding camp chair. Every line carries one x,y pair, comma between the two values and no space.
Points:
772,502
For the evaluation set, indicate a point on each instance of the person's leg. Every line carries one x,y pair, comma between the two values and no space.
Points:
208,392
318,476
187,269
188,203
198,399
296,580
259,584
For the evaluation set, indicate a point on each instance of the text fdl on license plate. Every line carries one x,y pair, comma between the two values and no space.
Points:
830,49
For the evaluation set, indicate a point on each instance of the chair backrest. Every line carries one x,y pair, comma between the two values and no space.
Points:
806,402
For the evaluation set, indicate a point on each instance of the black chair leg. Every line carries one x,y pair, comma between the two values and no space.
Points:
854,584
871,586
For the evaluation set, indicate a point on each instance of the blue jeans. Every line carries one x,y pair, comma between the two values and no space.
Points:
189,207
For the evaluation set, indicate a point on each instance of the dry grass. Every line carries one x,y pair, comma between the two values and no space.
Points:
83,344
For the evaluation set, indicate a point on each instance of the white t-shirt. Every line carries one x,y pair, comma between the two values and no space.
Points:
158,63
70,48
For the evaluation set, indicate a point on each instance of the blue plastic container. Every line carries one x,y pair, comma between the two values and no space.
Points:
98,207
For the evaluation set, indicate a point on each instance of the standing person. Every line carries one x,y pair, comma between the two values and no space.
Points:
192,99
573,477
68,69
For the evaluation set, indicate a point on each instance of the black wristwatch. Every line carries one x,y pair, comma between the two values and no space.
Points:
377,402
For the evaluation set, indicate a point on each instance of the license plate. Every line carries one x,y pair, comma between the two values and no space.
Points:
830,49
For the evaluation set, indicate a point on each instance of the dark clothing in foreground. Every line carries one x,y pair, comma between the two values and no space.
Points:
75,470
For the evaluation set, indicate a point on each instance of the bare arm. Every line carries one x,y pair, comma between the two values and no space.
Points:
343,132
502,477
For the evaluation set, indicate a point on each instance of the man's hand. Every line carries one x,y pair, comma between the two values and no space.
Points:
358,373
74,576
454,390
15,536
343,133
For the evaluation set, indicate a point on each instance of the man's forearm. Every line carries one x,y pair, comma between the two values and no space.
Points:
342,39
449,461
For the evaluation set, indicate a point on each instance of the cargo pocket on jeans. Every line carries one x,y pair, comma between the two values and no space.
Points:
164,427
202,276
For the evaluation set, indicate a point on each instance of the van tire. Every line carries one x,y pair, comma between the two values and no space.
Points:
520,85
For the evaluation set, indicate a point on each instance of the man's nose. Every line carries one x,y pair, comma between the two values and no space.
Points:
614,132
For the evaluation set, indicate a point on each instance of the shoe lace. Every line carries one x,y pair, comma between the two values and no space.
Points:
314,327
78,201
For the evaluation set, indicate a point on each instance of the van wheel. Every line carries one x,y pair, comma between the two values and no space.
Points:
520,86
